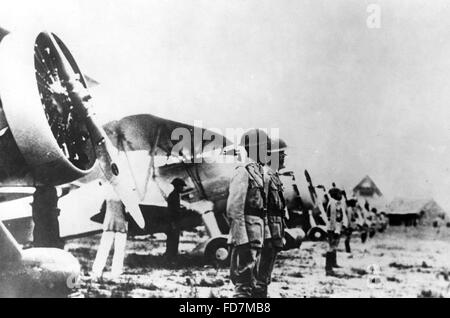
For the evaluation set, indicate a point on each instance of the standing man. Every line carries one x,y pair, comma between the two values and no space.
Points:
115,229
352,219
276,212
375,222
364,228
335,214
246,209
173,208
384,221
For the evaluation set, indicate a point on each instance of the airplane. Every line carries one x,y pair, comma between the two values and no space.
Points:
49,135
209,181
367,221
206,180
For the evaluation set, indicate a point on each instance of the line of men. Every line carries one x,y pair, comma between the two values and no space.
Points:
344,216
256,209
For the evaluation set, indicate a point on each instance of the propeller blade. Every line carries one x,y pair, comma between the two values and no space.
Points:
112,170
287,173
312,191
105,152
308,177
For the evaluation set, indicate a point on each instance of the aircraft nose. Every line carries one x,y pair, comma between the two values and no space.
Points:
53,272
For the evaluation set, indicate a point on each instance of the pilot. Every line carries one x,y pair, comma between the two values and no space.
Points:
246,210
276,212
352,220
335,215
384,220
371,216
115,228
375,220
363,225
173,209
45,214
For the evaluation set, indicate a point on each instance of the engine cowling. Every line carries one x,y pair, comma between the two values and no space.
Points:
52,142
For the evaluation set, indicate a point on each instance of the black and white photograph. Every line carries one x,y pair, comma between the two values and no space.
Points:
225,149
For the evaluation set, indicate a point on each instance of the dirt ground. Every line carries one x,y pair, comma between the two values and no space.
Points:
402,262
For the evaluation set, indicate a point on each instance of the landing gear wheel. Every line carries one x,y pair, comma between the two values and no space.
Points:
317,234
217,252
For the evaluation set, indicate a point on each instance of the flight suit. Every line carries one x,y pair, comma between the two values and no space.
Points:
246,211
363,226
273,242
115,228
335,217
115,220
371,218
352,219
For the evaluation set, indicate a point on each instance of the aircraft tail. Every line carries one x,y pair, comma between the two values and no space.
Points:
10,250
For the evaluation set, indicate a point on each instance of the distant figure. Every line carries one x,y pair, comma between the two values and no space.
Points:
352,223
373,222
45,214
115,228
437,224
365,227
384,220
173,229
335,217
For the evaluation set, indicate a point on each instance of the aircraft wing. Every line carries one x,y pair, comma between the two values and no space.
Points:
75,200
144,131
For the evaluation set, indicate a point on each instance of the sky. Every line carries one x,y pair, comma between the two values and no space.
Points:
349,100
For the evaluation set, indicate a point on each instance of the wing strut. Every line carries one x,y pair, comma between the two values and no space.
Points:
151,166
120,141
195,177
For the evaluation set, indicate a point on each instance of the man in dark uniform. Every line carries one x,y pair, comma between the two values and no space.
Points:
173,229
45,214
276,205
246,209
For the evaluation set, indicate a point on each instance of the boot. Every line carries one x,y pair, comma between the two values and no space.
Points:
347,247
242,291
334,263
364,237
260,292
329,264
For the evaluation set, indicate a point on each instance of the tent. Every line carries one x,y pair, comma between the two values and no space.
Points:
412,211
367,190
